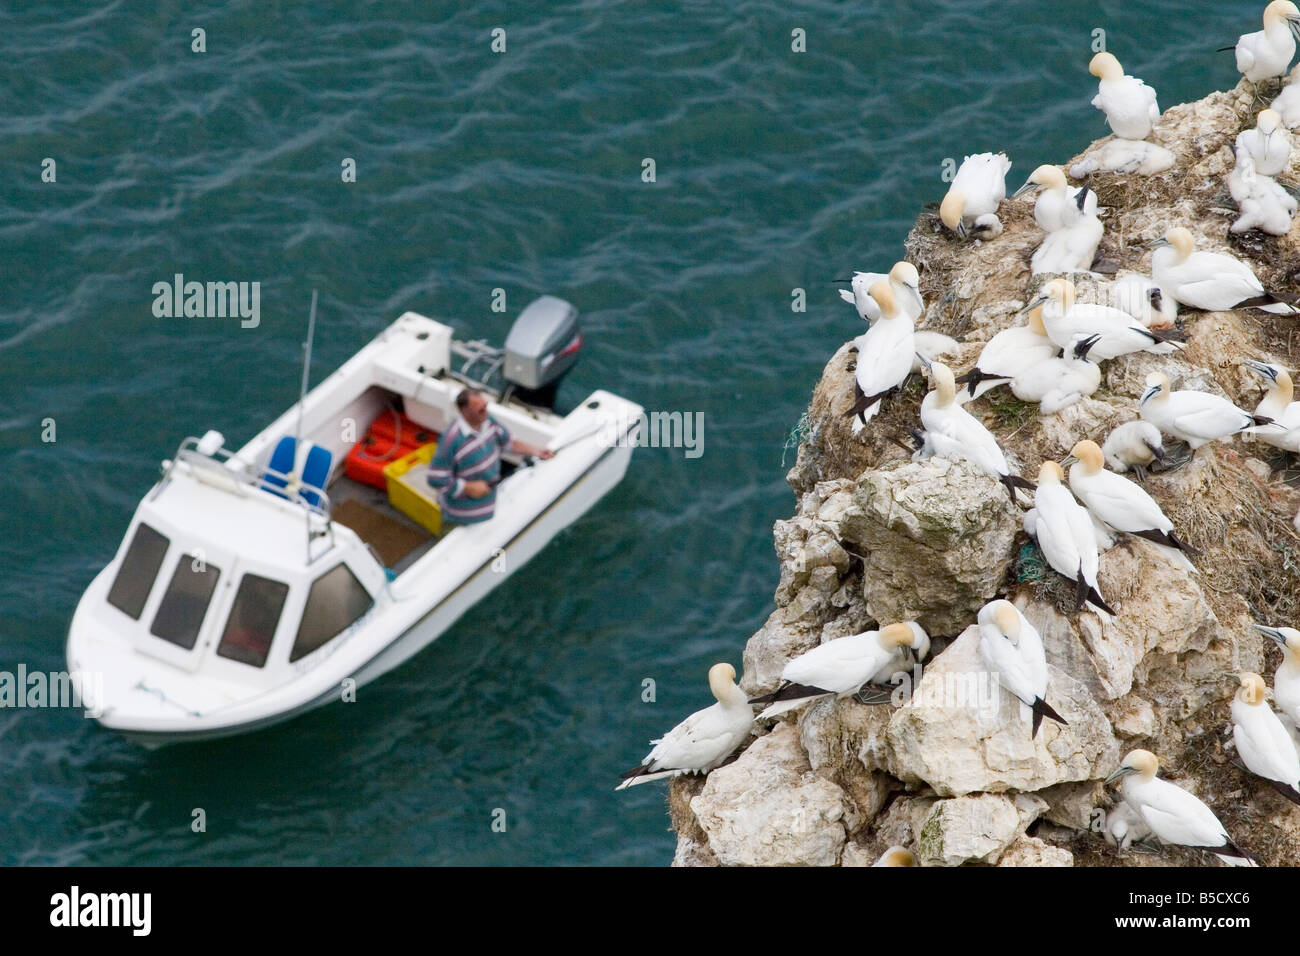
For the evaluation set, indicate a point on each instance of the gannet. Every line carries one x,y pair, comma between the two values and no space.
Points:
1267,53
1268,144
1265,746
971,205
703,740
1141,298
1124,827
1064,319
1133,445
1286,679
1211,281
896,856
1059,205
1125,157
1264,204
904,282
953,432
1129,104
1068,249
1173,815
1119,504
1277,405
1009,353
1066,537
840,667
1287,103
1194,417
1013,650
885,355
1059,382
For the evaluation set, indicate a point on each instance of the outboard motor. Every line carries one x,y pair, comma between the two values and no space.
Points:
542,346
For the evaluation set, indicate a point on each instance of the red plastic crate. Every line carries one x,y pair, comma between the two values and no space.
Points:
385,428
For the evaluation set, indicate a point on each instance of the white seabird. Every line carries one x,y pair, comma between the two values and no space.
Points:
886,352
1124,827
970,207
1013,650
1141,298
1065,320
1133,445
1287,103
896,856
904,282
1065,534
1267,53
1068,249
1268,144
1173,815
703,740
1059,205
1286,679
841,666
930,347
1194,417
1264,204
1212,281
1009,353
1129,104
1061,381
1263,743
1277,405
1126,157
1119,504
953,432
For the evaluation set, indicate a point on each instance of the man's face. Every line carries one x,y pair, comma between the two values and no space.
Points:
476,410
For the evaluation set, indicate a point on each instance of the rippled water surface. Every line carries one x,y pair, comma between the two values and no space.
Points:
522,170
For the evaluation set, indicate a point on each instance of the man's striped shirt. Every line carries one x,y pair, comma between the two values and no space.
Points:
465,455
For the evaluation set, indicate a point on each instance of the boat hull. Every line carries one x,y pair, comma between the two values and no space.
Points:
603,475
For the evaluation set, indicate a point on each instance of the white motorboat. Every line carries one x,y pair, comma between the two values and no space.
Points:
253,586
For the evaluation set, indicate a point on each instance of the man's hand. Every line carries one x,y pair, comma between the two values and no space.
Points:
531,450
477,489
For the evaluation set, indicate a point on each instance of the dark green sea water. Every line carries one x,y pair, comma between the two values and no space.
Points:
522,170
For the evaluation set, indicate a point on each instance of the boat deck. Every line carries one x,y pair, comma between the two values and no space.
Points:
398,540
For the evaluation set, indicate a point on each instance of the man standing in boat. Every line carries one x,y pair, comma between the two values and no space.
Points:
467,464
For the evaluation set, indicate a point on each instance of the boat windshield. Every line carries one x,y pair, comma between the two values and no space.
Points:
180,615
253,620
139,567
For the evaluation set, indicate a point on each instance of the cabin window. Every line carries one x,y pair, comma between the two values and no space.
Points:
336,601
253,619
180,615
135,577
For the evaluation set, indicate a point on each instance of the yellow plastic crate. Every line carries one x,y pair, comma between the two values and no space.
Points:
409,491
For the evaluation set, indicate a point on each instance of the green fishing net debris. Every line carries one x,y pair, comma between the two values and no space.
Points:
1029,564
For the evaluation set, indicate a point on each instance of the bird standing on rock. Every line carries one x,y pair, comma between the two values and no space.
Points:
886,352
953,432
1013,649
1267,53
1264,745
1194,417
1065,535
1213,281
1129,104
1173,815
970,207
1119,504
703,740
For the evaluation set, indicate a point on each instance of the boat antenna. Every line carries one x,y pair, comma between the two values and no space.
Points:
306,370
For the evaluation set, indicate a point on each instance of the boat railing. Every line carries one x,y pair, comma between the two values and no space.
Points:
223,469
